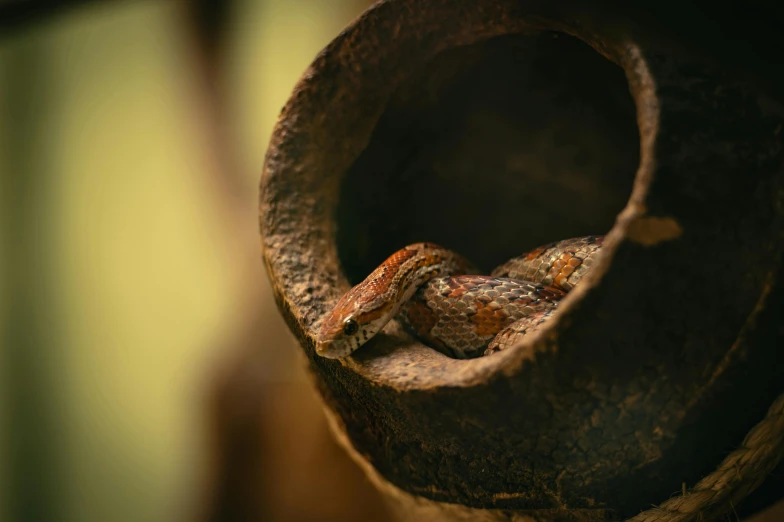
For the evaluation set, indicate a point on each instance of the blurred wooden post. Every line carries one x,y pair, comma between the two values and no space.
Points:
268,440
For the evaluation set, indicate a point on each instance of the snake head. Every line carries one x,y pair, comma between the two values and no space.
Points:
357,317
368,307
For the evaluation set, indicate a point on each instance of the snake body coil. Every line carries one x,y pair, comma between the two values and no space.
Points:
437,297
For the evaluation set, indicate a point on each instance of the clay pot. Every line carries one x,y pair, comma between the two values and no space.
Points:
492,126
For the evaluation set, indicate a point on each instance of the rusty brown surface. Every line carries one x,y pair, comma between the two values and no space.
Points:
490,127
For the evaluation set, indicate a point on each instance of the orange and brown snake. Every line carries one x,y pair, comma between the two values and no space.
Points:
437,296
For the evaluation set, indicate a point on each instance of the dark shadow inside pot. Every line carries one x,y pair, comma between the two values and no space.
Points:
492,149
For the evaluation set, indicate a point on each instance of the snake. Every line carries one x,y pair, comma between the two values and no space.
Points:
439,297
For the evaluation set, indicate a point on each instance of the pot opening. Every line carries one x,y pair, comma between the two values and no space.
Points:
493,149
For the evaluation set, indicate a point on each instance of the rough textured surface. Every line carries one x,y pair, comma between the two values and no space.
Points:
656,366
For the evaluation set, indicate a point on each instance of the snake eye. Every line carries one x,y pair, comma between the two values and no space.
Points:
350,327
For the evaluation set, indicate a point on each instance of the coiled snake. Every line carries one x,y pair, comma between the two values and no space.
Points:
439,298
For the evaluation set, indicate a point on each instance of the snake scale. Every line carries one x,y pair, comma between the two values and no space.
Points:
440,299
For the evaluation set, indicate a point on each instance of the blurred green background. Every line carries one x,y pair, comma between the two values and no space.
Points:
130,165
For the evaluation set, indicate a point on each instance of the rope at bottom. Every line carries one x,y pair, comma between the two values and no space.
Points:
737,476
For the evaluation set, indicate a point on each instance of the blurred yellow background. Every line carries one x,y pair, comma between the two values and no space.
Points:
129,261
